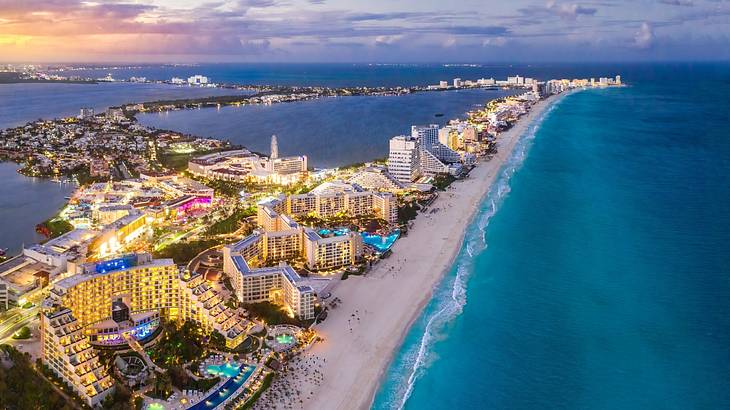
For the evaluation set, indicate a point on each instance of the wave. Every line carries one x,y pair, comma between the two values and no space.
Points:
450,298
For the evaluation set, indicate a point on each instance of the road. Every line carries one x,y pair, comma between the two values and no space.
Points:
16,320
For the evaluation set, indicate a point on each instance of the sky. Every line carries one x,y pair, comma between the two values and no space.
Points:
362,30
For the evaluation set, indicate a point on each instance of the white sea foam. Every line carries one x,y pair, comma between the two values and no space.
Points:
451,298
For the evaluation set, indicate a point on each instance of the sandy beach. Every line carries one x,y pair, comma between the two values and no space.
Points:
362,334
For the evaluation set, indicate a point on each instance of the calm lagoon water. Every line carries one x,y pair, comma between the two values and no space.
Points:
21,103
330,131
24,203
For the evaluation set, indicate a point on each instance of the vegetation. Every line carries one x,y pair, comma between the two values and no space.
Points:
174,160
161,387
408,212
231,223
180,344
181,379
254,397
23,333
272,314
21,387
54,227
120,399
442,181
224,188
184,252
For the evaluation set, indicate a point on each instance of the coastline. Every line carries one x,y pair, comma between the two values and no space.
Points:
374,308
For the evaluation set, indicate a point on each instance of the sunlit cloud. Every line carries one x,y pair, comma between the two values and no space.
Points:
334,30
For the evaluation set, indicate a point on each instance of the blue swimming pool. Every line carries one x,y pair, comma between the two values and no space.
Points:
229,388
223,370
336,232
379,242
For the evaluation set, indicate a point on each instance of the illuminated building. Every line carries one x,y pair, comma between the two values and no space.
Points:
338,197
252,284
200,302
4,295
118,234
68,353
245,166
112,302
403,159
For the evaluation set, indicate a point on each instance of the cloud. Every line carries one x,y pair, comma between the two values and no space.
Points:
494,42
449,42
565,11
644,38
687,3
386,41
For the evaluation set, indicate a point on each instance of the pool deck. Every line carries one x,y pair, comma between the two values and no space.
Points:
199,400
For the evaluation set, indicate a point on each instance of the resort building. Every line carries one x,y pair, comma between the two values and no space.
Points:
403,159
253,284
201,302
338,197
281,239
118,234
333,251
436,158
143,283
122,301
377,179
68,353
245,166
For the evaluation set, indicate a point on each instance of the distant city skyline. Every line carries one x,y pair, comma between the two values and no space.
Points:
156,31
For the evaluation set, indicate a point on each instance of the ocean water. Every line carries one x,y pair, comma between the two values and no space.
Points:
21,103
24,203
347,75
596,274
330,131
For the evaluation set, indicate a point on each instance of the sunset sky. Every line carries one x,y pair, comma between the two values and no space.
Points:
353,31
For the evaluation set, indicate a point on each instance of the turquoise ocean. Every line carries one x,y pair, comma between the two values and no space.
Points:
596,272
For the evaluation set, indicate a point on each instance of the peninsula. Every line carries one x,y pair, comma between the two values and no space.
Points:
225,278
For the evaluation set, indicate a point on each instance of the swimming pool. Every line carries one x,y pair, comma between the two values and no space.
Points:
285,339
379,242
228,389
336,232
223,370
155,406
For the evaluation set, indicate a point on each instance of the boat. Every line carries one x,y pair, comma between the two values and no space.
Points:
3,251
439,114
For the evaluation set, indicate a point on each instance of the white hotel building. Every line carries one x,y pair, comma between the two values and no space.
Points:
421,154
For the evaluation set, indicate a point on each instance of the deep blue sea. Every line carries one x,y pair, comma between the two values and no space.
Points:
596,274
345,75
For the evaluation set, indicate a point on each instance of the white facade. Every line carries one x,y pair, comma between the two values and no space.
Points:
403,159
198,80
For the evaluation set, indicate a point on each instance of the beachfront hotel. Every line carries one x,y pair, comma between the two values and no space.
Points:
68,353
422,154
403,159
376,179
244,166
282,239
279,284
338,197
122,301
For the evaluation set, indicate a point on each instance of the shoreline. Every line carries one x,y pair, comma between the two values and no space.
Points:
399,289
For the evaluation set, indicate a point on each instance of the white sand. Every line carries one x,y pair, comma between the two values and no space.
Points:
363,332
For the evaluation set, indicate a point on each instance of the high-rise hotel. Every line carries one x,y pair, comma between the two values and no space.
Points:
108,303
